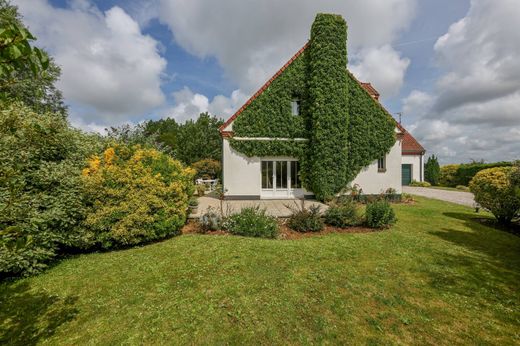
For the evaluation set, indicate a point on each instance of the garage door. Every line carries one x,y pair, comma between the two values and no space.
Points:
406,174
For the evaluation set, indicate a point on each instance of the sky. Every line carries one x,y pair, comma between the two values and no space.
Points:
450,67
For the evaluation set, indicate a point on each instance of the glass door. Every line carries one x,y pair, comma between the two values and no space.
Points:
281,179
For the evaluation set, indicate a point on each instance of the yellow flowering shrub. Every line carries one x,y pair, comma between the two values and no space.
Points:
135,195
448,175
493,190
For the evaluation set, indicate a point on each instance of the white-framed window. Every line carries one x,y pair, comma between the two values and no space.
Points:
295,106
381,164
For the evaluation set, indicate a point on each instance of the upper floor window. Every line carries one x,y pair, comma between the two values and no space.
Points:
381,164
295,106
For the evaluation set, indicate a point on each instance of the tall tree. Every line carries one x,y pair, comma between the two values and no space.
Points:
27,73
192,141
432,170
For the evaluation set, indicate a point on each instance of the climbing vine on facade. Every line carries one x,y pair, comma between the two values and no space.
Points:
340,128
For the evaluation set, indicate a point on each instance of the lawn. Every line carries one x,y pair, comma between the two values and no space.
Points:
437,277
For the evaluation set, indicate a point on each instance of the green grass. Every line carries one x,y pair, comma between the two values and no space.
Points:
437,277
447,188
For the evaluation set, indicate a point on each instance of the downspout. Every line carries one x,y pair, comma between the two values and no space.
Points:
421,167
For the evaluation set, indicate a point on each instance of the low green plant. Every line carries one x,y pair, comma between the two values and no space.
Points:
494,191
462,188
380,214
342,215
252,222
304,219
193,202
211,220
201,190
420,183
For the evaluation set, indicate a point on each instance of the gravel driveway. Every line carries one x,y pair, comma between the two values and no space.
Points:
458,197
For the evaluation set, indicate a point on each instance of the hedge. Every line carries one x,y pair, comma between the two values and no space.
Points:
453,175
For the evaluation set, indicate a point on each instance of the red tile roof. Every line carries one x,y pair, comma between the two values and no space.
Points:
370,90
410,146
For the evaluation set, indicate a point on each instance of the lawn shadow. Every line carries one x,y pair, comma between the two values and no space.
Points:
29,316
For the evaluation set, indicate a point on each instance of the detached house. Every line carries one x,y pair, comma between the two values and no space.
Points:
314,129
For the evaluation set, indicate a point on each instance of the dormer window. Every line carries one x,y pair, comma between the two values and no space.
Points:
295,106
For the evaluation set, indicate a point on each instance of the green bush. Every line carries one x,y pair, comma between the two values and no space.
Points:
211,220
432,170
494,191
41,199
453,175
135,195
420,183
448,175
306,219
342,215
379,214
462,188
207,169
252,222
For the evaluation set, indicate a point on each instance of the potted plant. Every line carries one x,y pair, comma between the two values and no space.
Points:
194,205
201,189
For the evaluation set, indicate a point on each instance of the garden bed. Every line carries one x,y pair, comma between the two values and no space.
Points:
285,233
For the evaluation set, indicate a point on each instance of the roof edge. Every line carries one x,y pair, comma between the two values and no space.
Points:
265,86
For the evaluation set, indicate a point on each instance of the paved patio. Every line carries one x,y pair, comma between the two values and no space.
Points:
277,208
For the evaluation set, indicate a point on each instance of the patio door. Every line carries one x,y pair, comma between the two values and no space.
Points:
281,179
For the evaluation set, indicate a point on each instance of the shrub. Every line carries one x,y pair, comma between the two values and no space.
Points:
342,215
193,202
448,175
252,222
41,202
462,188
379,214
211,220
207,169
305,219
493,190
432,170
420,183
201,190
135,195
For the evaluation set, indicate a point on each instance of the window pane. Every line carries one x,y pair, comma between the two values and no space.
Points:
295,106
295,175
281,174
267,174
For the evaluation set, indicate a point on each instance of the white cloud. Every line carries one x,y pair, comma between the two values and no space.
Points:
108,65
383,67
474,110
188,105
251,40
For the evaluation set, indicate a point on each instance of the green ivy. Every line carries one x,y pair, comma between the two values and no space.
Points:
346,129
371,129
328,100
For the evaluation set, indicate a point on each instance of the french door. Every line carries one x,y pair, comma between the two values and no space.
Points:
281,179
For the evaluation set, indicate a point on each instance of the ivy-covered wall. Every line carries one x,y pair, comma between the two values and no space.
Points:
328,106
346,129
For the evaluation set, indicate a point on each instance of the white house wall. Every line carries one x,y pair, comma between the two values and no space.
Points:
242,174
373,182
415,161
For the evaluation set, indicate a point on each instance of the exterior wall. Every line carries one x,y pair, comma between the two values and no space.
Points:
373,182
416,162
241,174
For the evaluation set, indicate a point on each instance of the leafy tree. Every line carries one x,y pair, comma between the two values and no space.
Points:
27,73
41,204
432,170
189,142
